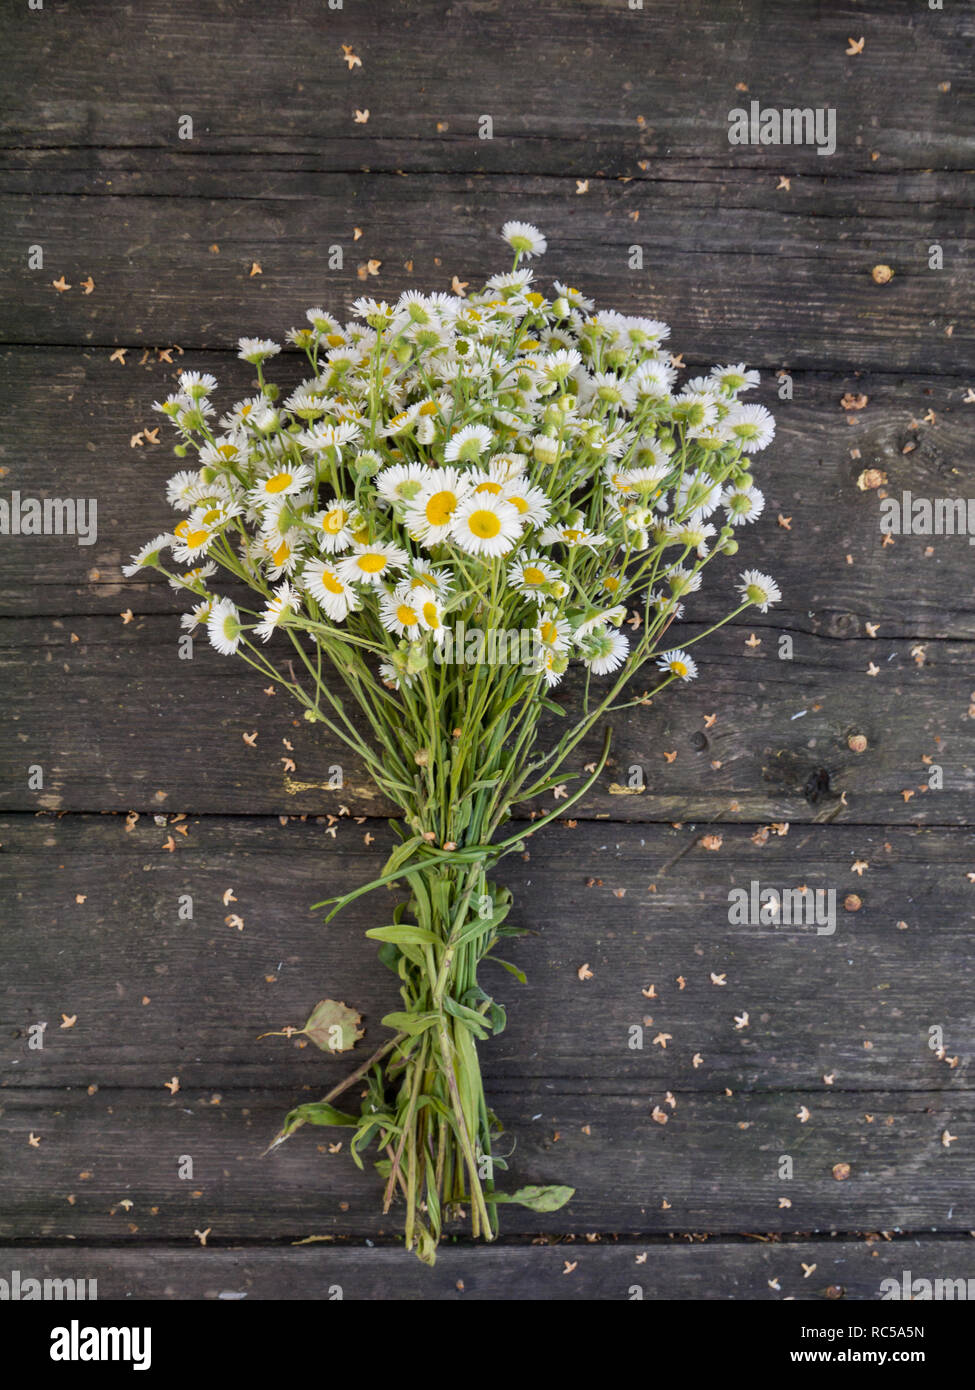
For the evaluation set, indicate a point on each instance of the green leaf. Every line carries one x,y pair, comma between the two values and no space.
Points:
318,1112
333,1027
476,1022
551,705
410,1023
535,1198
405,935
519,975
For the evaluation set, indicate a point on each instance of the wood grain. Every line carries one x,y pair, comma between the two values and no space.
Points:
610,130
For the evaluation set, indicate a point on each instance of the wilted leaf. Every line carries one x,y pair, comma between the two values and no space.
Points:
536,1198
333,1027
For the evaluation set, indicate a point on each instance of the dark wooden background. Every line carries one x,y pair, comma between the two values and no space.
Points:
610,130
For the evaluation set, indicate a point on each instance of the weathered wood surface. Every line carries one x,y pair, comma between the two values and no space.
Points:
696,1268
891,969
636,102
788,281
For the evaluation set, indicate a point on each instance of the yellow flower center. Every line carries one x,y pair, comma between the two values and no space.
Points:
440,508
194,538
372,563
329,582
334,521
519,504
428,408
678,668
533,575
484,524
549,633
282,553
489,486
406,615
430,615
279,482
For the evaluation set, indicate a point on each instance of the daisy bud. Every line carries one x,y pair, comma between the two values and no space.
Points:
545,448
561,308
729,547
180,450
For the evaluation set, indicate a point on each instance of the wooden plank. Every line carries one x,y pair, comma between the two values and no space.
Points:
705,1271
714,1167
93,929
615,80
777,282
116,722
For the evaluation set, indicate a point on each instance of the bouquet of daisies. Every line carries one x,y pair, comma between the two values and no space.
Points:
464,496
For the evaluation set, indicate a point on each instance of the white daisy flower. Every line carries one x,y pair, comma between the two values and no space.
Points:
282,483
284,601
554,632
524,238
531,503
743,504
185,489
573,297
678,663
682,581
468,444
335,525
553,665
598,619
752,425
399,612
653,381
256,350
612,390
371,564
430,516
332,594
224,627
572,533
485,525
281,553
430,609
197,385
190,621
606,651
759,589
733,379
192,579
403,482
191,539
321,321
329,436
432,577
536,577
149,554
